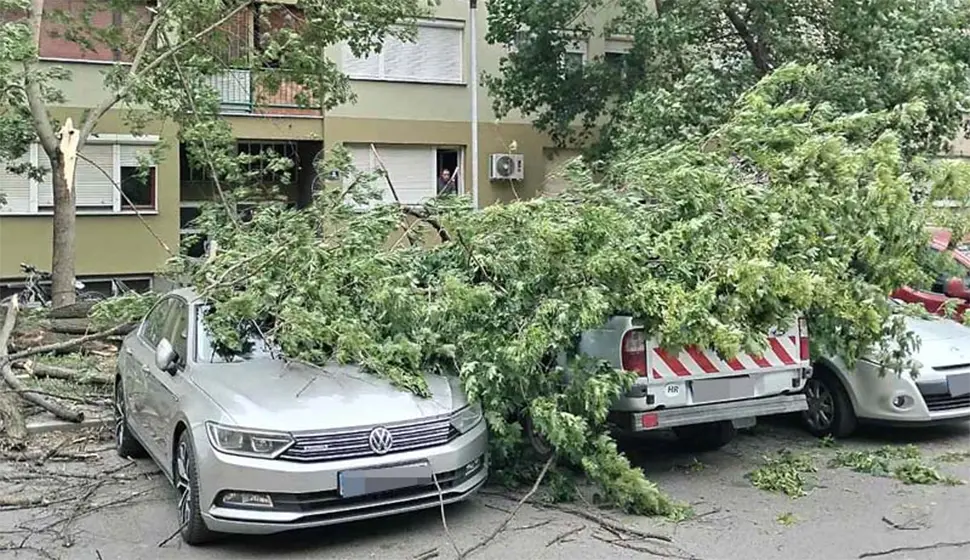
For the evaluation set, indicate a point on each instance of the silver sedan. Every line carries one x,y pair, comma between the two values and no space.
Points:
839,397
256,444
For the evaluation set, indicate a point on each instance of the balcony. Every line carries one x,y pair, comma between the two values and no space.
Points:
239,95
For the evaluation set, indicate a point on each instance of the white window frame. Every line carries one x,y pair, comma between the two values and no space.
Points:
117,140
436,23
461,166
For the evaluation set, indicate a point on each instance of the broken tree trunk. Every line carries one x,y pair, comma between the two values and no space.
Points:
63,163
62,412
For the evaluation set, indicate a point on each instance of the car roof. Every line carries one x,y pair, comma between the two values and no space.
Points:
188,294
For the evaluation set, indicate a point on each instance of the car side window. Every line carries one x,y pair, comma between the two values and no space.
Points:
178,330
153,329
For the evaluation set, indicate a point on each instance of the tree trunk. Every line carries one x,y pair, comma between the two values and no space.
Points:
62,267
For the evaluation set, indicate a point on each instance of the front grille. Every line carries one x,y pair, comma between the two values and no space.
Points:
351,444
938,403
311,502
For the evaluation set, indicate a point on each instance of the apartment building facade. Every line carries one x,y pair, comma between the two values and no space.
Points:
412,116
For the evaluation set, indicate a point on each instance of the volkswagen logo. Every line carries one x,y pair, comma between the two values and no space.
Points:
380,440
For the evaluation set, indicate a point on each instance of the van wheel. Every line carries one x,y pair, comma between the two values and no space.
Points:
706,437
829,407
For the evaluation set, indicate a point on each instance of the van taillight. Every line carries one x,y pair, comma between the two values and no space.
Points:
803,339
633,352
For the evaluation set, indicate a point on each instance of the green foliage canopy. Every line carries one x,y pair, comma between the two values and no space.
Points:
690,59
790,207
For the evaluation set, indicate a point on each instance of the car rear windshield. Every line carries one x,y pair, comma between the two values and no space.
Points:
206,351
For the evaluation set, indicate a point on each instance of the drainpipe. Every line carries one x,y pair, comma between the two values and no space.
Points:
473,55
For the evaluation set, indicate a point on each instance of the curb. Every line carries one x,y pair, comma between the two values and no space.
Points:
48,426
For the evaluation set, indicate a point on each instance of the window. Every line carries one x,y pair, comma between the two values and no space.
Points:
153,330
111,169
178,330
434,56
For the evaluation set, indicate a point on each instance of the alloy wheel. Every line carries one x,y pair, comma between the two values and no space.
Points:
821,405
119,410
183,483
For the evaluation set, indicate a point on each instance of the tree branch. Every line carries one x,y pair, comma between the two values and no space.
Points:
64,345
756,48
110,101
28,395
121,191
35,98
11,419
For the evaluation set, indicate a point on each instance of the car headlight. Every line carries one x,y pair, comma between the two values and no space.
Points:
466,418
248,443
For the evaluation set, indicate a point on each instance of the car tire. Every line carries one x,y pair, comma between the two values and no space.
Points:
706,437
185,475
830,411
540,445
125,442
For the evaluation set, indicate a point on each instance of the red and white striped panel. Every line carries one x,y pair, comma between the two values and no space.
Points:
782,351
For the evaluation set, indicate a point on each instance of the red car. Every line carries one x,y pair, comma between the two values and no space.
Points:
946,286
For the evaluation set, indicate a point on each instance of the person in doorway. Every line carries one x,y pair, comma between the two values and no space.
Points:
446,182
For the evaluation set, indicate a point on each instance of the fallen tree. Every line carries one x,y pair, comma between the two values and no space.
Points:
789,207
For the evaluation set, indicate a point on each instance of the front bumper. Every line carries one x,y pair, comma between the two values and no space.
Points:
306,495
703,414
924,400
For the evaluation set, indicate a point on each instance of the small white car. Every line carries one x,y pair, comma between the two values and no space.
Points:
840,398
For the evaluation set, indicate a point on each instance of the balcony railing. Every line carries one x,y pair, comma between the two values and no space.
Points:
240,95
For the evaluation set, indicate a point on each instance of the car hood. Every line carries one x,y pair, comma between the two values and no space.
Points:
943,344
291,397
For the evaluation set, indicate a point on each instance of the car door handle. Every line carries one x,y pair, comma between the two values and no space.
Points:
145,369
129,351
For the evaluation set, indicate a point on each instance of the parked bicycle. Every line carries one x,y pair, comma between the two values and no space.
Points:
37,292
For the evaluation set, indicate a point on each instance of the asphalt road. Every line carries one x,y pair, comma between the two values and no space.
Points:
845,514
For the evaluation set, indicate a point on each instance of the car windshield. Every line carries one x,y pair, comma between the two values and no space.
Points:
207,352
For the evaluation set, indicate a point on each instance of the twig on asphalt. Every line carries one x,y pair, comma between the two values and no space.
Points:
896,550
531,525
441,506
666,553
426,555
501,527
166,540
34,549
67,542
563,536
898,526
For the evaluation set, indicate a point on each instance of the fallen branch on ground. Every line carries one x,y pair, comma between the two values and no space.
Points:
623,543
174,534
914,548
40,370
11,418
508,518
47,348
563,536
68,541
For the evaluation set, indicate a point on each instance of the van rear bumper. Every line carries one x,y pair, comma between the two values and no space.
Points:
705,413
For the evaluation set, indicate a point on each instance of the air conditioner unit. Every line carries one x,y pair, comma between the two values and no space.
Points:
505,167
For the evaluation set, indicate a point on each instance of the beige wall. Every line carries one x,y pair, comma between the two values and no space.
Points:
385,113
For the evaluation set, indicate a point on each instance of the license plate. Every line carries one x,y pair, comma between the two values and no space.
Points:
723,389
959,384
373,481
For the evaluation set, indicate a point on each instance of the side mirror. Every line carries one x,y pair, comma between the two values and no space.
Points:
165,356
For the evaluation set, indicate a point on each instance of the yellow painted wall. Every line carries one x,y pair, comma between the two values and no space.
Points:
105,244
385,113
